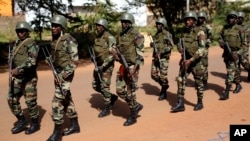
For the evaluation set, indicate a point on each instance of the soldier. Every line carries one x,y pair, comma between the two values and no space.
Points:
159,68
201,23
65,56
243,56
24,78
195,51
105,62
234,37
131,46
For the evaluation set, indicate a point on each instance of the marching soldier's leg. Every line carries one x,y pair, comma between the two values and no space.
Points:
57,115
109,98
198,77
181,81
72,115
31,101
15,106
229,79
164,79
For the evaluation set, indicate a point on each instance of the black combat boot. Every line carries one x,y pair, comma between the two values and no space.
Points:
180,105
34,126
74,128
57,133
105,111
20,125
237,88
163,93
107,108
199,105
133,115
225,95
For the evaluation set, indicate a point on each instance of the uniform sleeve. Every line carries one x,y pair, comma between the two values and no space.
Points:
111,44
31,61
202,51
209,33
168,41
71,48
139,45
243,37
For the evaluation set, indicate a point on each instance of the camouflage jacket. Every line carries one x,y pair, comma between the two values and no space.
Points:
194,41
24,55
65,54
103,48
131,45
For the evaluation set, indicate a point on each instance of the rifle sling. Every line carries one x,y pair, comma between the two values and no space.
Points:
20,45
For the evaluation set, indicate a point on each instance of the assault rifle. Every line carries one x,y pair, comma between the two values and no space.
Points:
227,49
49,60
93,57
155,51
184,58
124,62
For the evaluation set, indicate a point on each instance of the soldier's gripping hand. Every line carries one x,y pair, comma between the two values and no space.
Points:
151,44
15,71
235,56
99,69
221,44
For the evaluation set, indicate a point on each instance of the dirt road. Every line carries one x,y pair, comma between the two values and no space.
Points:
156,122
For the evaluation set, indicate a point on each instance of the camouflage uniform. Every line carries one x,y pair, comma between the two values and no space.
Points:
131,45
64,53
103,47
233,35
24,59
65,56
194,40
209,36
243,56
159,68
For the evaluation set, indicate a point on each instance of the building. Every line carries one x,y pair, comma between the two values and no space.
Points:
6,8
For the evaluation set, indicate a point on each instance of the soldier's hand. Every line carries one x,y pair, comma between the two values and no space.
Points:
116,57
187,63
151,44
157,55
221,44
99,69
235,56
15,71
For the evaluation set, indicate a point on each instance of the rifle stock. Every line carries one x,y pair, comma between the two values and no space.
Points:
48,58
93,57
228,49
124,62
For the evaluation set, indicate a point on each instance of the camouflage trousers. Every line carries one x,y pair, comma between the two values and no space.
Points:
233,71
205,64
244,60
26,87
124,85
63,103
103,86
197,69
159,71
